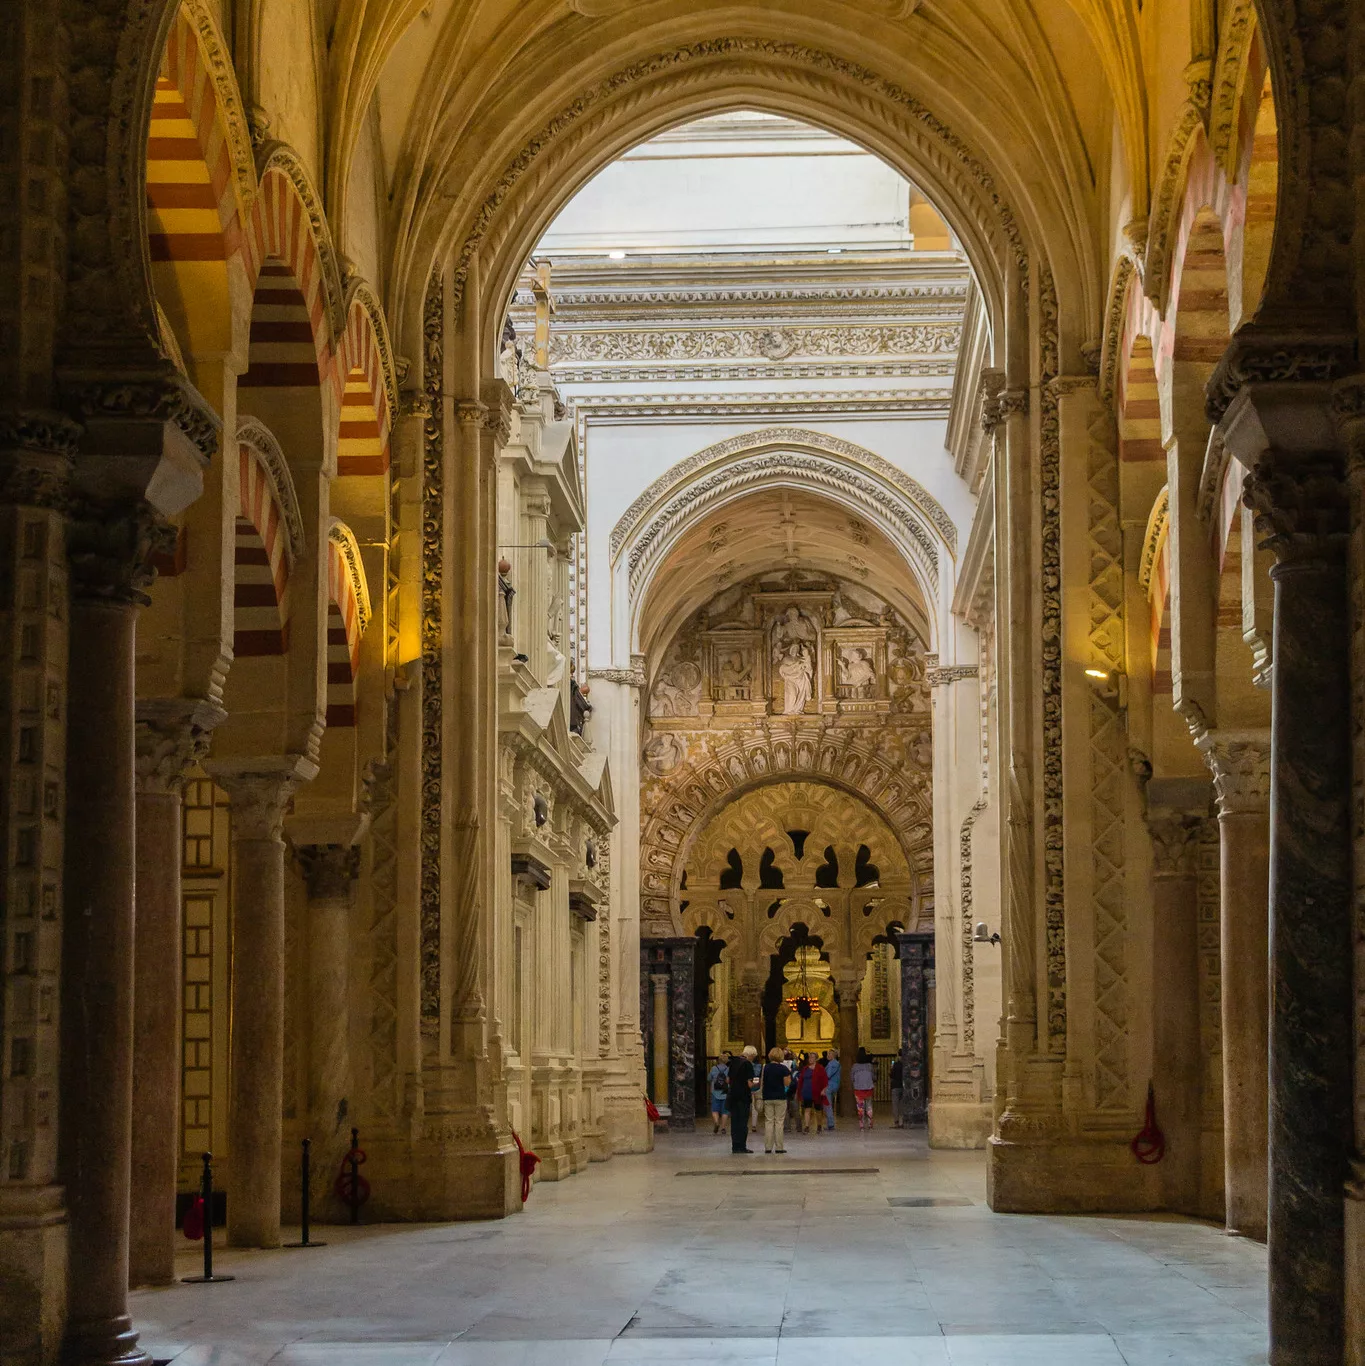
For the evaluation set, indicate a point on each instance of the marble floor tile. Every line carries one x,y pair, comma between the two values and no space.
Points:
629,1262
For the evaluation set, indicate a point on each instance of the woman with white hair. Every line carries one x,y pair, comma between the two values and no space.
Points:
743,1080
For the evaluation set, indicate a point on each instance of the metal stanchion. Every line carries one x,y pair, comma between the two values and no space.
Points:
206,1195
305,1178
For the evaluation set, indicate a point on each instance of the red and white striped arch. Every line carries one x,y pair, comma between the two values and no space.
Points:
363,447
262,563
348,613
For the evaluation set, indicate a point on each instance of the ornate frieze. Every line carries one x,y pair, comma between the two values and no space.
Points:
745,343
937,677
967,928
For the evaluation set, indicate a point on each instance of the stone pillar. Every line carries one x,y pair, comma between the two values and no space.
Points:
682,1026
330,870
658,982
1286,436
172,734
749,998
260,790
1176,1065
35,451
1240,763
916,959
850,988
97,957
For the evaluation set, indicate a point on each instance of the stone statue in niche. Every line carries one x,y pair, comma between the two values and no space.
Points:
509,356
797,672
791,627
677,690
857,672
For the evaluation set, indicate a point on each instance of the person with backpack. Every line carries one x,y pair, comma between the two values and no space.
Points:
718,1079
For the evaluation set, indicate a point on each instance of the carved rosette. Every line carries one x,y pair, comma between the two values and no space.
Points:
1240,764
329,870
1175,843
173,734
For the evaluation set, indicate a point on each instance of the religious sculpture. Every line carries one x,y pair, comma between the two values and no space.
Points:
796,672
677,690
857,672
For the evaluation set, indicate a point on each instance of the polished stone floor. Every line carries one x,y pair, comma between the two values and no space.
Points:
850,1250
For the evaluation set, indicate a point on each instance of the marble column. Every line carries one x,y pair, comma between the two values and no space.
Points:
260,790
1240,764
97,971
850,988
330,871
172,734
682,1027
1286,434
916,955
1176,1062
658,981
1311,960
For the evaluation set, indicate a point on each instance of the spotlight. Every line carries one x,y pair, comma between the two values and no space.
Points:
983,935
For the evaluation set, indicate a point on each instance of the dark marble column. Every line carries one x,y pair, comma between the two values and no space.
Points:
682,1081
1176,1059
917,961
1298,493
109,554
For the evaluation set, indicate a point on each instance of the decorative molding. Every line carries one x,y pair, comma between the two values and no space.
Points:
1164,220
166,397
774,405
798,437
1227,82
937,677
359,294
1050,627
1256,357
966,909
279,156
808,470
341,536
260,441
1217,457
631,678
688,372
1151,540
236,128
776,343
1115,315
433,534
687,65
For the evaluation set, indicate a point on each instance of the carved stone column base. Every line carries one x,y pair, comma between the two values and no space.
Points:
1046,1170
960,1123
623,1106
451,1167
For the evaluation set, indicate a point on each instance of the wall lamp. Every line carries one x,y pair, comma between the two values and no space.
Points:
983,935
1111,683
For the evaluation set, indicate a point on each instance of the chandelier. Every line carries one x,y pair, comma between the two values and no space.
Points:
803,1001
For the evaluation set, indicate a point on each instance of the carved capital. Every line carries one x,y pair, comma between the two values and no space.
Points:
1288,357
330,870
1301,507
414,403
261,791
1240,764
111,548
173,734
999,405
162,397
1175,842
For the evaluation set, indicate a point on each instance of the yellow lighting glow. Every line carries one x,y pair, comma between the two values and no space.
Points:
1096,673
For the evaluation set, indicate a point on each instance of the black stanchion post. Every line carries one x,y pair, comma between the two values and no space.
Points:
206,1195
355,1176
306,1179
